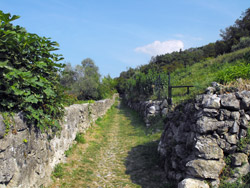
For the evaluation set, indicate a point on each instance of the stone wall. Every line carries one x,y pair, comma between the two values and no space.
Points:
149,109
27,156
199,135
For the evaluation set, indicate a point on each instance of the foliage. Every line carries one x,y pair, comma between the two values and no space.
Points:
83,81
58,171
29,75
244,43
241,69
143,86
80,138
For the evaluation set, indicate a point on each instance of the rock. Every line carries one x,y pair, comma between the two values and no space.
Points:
242,170
2,127
180,151
224,115
211,101
206,169
152,110
208,148
164,112
235,115
245,99
229,101
243,133
235,128
244,122
210,112
210,90
192,183
231,138
164,104
238,159
206,124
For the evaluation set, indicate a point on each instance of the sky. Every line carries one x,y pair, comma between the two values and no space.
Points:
118,34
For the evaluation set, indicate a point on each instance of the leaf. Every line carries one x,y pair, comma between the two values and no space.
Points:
49,92
31,99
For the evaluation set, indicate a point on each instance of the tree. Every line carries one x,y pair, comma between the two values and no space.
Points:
89,80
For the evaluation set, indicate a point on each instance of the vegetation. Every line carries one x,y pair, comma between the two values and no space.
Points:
83,82
119,152
223,61
29,75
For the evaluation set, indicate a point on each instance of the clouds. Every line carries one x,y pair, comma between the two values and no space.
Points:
158,47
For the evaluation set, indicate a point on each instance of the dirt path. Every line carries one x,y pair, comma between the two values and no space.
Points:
117,154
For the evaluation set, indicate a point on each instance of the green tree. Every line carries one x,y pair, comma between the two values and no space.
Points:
88,80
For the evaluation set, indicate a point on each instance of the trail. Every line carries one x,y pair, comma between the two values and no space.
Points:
118,153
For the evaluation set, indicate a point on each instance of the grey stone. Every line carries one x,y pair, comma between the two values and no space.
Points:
229,101
180,151
231,138
243,133
164,104
236,128
211,101
192,183
224,114
235,115
164,111
210,112
208,148
210,90
2,127
206,124
152,110
238,159
206,169
244,122
242,170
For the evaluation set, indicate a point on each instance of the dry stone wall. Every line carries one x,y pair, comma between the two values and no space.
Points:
27,156
199,135
149,109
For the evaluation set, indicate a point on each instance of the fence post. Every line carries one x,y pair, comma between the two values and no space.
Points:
169,90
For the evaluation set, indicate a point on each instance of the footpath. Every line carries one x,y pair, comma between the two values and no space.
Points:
118,152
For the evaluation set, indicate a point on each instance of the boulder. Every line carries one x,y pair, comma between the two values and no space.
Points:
206,169
206,124
207,148
211,101
238,159
231,138
230,102
235,115
192,183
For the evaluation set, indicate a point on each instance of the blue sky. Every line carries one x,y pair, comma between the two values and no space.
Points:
118,34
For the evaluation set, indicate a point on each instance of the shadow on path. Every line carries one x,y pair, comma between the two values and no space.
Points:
142,160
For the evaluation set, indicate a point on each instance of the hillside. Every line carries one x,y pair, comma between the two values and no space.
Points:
201,74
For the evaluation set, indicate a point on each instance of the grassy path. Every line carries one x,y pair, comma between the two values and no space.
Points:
117,153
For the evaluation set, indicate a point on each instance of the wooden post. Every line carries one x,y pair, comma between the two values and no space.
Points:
187,90
169,90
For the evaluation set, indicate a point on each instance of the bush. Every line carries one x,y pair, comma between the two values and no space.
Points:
231,72
29,75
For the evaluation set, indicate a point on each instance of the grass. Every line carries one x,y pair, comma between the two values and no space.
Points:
119,151
201,74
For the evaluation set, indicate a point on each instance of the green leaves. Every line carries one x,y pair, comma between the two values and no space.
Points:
29,74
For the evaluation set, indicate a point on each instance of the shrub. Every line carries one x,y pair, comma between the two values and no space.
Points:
231,72
29,75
